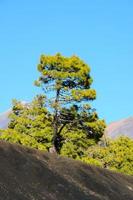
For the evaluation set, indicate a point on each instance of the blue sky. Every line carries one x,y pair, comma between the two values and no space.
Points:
99,31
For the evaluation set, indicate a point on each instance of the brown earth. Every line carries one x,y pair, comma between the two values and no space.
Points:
27,174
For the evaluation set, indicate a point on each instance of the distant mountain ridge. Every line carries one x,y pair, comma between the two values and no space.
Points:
121,127
4,119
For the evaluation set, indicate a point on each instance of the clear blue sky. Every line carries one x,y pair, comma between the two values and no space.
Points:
99,31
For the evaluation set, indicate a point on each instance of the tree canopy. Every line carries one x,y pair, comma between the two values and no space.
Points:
66,83
61,119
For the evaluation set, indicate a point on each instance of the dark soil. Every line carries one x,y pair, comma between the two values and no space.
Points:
27,174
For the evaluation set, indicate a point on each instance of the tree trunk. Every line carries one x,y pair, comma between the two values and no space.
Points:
55,122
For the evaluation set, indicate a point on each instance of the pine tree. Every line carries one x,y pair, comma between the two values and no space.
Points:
66,84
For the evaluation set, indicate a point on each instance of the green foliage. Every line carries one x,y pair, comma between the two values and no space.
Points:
30,125
91,161
23,139
75,143
67,75
62,120
118,155
66,83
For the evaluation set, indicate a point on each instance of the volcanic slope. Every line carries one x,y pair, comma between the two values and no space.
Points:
27,174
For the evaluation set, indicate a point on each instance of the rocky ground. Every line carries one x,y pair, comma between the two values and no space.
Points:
27,174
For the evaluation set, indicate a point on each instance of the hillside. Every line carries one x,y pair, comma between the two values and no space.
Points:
27,174
122,127
4,120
